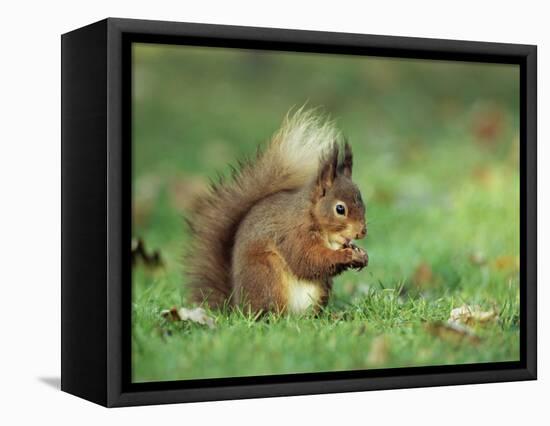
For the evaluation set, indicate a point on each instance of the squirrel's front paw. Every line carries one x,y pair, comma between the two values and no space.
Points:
346,256
360,258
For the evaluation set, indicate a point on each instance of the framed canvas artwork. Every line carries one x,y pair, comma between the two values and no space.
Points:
253,212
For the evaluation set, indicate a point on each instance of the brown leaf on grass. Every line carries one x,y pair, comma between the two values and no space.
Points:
452,332
506,263
423,275
170,314
488,125
471,315
196,315
140,254
379,351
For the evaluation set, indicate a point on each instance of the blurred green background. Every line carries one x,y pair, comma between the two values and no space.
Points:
436,148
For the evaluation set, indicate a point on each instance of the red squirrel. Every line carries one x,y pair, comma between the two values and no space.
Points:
272,237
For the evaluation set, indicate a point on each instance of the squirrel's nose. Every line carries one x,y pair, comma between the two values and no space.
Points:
363,232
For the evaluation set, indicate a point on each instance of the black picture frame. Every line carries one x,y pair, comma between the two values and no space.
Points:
96,203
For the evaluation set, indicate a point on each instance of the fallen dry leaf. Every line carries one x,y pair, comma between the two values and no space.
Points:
140,254
503,263
471,315
171,314
488,125
379,351
196,315
423,275
453,332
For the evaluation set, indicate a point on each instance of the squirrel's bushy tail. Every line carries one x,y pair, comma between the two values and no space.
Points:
290,161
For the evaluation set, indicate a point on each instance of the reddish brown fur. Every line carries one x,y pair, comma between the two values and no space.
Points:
255,234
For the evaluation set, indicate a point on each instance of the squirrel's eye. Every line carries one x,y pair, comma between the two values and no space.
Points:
340,209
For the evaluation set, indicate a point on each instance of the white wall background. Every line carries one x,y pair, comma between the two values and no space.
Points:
30,211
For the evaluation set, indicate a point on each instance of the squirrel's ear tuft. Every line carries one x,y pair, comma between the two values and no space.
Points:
347,161
327,173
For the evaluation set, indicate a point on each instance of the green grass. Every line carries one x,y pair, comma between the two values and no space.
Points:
442,200
339,339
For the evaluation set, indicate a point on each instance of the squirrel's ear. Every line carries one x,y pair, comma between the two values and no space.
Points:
347,162
327,173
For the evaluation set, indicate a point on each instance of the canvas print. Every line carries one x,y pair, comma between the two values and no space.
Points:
302,212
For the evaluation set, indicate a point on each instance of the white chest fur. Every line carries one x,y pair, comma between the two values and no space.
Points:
302,295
